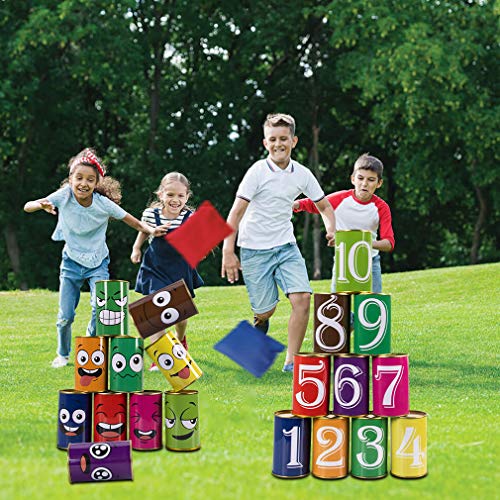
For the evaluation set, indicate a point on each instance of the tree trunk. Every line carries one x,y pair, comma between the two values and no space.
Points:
14,253
314,159
476,237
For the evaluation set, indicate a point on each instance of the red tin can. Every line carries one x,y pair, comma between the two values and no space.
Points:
110,416
391,385
311,384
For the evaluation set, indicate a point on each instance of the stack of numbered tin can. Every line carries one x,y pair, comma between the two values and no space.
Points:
332,436
108,413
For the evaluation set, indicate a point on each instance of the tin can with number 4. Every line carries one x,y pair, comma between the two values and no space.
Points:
409,445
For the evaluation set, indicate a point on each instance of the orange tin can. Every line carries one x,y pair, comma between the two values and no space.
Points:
330,447
91,364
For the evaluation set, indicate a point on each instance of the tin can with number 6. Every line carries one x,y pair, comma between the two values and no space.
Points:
311,384
409,445
350,385
292,445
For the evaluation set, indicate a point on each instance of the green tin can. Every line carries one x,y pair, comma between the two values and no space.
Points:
111,307
369,447
182,420
353,261
126,363
372,323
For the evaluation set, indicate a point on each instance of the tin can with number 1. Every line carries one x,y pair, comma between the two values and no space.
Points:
292,445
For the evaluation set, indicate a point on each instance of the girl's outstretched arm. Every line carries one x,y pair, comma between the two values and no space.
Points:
136,255
41,204
144,228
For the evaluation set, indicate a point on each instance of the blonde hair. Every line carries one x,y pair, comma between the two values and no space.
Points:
166,180
280,120
106,186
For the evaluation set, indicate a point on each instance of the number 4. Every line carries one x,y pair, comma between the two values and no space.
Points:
411,438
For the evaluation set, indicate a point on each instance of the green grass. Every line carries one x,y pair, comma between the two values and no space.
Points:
446,319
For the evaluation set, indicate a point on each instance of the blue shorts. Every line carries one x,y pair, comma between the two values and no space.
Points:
265,270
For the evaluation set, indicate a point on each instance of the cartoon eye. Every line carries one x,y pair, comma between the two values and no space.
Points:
82,357
169,422
64,415
121,302
136,363
78,416
189,424
98,357
161,299
118,362
100,302
101,474
165,361
178,351
100,450
169,315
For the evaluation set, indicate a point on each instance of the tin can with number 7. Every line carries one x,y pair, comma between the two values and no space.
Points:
409,445
311,384
391,385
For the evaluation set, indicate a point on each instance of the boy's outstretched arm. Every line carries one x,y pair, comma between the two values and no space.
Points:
230,263
328,216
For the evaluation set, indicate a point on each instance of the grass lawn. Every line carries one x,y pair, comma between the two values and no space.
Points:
446,319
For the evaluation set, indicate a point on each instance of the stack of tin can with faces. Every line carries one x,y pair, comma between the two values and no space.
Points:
108,403
345,436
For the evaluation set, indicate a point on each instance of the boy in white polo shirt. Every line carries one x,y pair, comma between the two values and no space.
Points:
361,208
261,215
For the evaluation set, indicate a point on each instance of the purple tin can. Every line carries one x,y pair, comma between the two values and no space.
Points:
96,462
350,385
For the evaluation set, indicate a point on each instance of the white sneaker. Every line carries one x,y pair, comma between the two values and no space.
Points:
154,368
59,361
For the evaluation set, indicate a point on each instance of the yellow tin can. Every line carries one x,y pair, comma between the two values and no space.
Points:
409,445
176,364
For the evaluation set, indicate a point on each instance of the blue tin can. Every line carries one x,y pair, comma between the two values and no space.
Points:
292,445
74,419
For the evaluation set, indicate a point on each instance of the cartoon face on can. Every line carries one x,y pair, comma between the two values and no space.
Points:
145,420
96,462
126,364
91,365
182,421
174,361
74,420
110,416
162,309
111,307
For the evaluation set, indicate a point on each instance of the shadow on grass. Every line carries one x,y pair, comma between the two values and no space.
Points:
454,374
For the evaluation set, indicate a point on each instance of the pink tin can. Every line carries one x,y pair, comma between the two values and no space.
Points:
145,420
391,385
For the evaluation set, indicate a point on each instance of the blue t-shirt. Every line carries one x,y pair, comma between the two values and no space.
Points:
84,228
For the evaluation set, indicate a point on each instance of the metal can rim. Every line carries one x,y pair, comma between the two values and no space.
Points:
182,392
370,416
392,355
351,355
331,416
286,414
413,414
113,281
313,354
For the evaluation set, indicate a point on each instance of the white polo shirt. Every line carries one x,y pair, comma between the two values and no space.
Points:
267,222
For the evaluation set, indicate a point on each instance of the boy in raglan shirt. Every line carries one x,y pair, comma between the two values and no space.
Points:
360,208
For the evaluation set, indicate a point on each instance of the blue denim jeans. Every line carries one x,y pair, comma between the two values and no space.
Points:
376,275
71,278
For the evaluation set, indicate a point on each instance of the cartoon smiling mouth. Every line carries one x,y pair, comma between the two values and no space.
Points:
184,373
111,318
88,375
145,435
70,431
110,431
185,436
